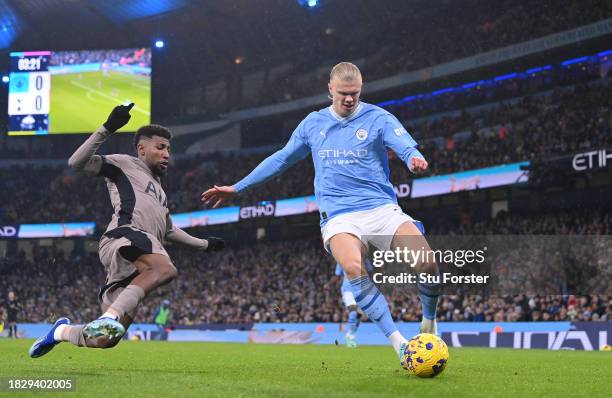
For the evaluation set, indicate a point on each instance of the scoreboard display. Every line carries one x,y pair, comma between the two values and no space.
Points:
73,91
29,93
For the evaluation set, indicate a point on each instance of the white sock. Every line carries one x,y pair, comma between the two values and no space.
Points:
428,325
109,315
396,340
57,335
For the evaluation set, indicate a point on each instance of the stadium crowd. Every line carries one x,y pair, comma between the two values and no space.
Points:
290,282
551,123
453,32
140,57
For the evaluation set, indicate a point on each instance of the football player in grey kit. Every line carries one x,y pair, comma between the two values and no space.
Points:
131,249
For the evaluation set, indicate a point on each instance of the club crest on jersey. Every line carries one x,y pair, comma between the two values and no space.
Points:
361,134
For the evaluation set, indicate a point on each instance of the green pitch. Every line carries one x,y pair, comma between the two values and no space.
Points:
80,102
164,369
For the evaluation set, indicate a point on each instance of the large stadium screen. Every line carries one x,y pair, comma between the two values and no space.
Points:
73,91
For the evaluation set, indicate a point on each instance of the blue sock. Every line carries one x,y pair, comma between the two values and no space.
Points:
429,293
352,322
373,304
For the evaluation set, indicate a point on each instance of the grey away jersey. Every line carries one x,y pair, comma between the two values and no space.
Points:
136,195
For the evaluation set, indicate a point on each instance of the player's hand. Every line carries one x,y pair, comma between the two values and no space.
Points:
418,165
214,244
118,118
217,195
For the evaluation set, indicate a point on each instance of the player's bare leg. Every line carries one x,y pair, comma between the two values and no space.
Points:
409,236
350,253
154,270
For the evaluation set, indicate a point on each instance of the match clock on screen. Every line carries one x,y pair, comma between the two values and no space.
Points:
29,93
72,91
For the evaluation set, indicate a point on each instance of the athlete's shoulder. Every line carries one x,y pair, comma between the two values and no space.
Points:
322,114
374,111
314,121
122,161
119,157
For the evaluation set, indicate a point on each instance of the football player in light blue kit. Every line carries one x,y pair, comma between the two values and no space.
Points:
348,142
348,299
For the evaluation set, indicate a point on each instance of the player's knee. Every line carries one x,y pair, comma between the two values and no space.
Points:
163,271
166,273
352,307
354,269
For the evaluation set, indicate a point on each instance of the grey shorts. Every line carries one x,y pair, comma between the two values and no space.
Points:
118,250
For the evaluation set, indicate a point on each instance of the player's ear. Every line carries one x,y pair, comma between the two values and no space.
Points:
330,88
141,148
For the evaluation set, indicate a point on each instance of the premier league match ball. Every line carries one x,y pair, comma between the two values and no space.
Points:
426,355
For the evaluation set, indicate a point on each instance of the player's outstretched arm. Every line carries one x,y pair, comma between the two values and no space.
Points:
84,159
210,244
401,142
295,150
217,195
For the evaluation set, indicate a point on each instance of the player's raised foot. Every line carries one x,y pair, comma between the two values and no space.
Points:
104,327
428,326
45,343
351,341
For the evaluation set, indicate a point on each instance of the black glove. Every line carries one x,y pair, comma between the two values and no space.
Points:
118,118
215,244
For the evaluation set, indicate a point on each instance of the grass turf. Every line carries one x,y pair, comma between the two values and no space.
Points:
148,369
80,102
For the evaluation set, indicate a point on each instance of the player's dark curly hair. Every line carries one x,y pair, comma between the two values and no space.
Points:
150,130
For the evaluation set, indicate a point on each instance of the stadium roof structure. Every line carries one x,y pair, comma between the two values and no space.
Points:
255,30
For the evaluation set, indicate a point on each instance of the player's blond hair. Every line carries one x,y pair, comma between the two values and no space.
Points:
345,71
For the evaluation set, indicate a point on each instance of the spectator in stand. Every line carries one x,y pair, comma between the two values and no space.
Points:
231,293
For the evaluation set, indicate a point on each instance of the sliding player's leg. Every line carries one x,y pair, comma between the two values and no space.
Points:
133,272
138,258
62,330
119,301
75,334
153,271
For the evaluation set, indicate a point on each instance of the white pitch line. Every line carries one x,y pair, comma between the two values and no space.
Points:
100,93
102,100
141,86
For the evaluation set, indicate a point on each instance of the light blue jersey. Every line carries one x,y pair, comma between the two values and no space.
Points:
349,156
